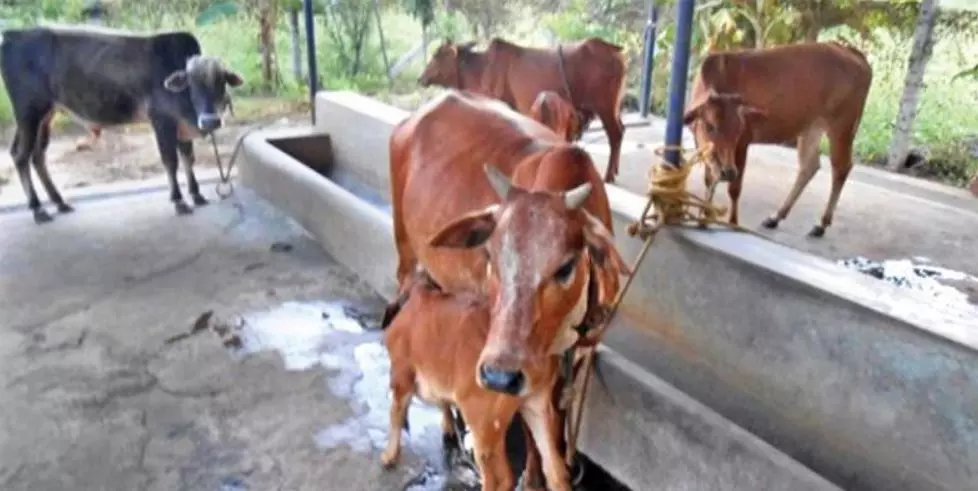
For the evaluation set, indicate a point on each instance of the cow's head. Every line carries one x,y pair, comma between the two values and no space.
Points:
540,248
558,114
205,80
722,121
444,68
720,118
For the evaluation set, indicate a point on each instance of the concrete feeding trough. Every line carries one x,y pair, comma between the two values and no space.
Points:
735,362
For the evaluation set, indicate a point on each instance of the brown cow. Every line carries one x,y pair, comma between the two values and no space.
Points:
557,114
798,91
434,342
527,253
589,73
973,186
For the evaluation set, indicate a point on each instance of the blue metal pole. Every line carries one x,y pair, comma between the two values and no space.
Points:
677,80
646,96
311,55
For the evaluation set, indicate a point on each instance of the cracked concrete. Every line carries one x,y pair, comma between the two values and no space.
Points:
91,396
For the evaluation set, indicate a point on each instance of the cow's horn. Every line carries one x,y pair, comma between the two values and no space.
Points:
499,182
575,197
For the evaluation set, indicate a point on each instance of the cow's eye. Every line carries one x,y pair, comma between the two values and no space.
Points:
564,272
710,128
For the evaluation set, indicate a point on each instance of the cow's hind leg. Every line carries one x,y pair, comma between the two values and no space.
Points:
28,124
808,164
41,166
186,149
840,147
166,142
615,130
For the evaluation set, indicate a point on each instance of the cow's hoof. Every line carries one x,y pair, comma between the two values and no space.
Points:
817,232
200,200
42,216
770,223
182,208
65,208
388,460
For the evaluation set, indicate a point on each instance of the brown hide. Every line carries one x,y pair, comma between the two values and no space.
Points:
436,168
434,342
794,92
595,74
558,114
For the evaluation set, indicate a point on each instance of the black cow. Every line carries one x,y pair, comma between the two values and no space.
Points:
110,78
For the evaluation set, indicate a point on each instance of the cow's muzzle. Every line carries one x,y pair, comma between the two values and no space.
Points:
208,122
504,381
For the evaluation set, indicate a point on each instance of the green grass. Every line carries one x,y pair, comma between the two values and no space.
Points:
947,117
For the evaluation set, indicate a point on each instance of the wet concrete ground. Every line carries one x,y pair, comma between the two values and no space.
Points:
94,399
222,351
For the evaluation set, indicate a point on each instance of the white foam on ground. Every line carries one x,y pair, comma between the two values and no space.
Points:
319,334
912,274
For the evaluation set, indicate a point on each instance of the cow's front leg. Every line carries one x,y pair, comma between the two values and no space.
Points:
543,423
186,149
166,142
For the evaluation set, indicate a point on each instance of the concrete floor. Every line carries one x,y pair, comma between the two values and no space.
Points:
91,396
880,215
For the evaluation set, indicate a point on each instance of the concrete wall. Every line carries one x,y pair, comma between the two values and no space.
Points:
861,381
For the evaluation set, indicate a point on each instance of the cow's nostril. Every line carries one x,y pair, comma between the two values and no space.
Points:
208,122
505,381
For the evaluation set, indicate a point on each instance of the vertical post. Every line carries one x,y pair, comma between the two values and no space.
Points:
311,56
650,25
677,80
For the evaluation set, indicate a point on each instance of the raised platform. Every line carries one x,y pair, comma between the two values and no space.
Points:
863,382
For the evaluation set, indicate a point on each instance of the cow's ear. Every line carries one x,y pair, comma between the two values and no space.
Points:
694,111
176,82
468,231
233,79
601,246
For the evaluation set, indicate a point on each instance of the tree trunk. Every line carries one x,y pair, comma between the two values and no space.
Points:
266,39
383,43
923,44
296,47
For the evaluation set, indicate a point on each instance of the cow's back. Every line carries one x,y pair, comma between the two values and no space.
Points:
592,68
796,85
437,173
102,75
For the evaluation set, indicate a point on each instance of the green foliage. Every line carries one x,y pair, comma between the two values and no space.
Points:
217,11
422,10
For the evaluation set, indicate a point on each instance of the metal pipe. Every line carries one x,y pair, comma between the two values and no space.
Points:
650,24
677,80
311,56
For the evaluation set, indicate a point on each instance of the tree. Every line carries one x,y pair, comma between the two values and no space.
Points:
923,45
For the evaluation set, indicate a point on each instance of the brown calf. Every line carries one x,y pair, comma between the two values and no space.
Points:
434,342
798,91
973,186
557,114
590,74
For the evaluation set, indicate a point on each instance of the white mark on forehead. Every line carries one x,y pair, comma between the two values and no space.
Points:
525,252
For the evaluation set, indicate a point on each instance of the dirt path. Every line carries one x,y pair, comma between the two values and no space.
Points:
123,154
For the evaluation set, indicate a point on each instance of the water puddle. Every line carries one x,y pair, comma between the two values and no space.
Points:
347,342
947,286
